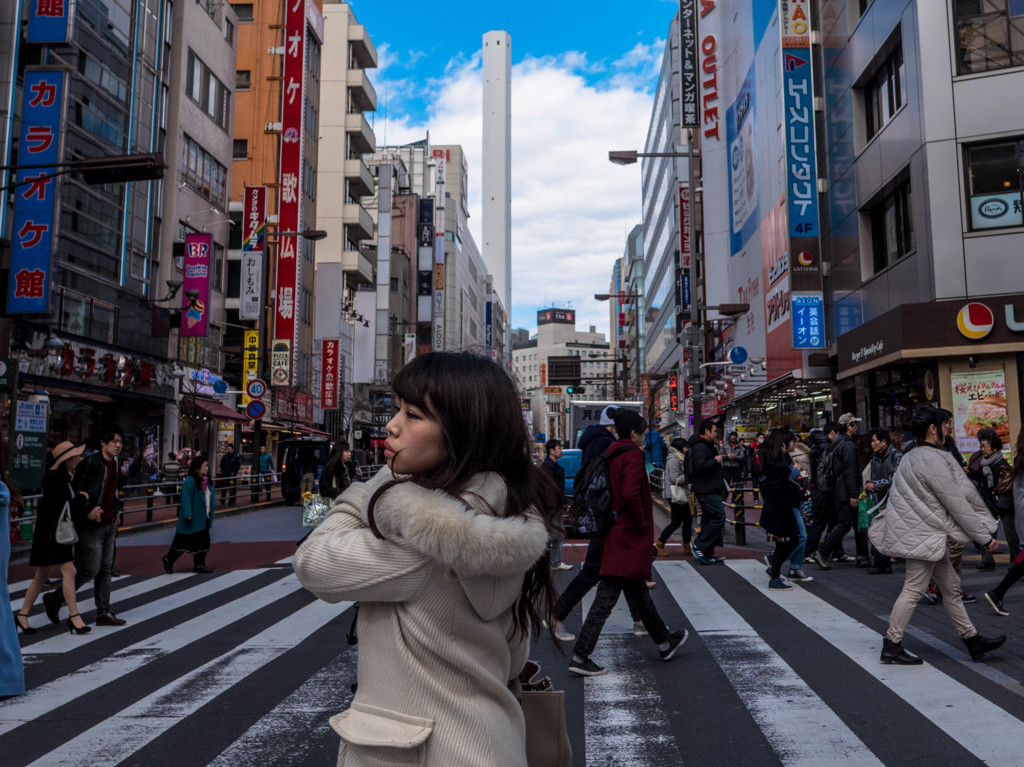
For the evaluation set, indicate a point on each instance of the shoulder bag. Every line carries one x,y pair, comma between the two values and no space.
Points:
66,533
547,736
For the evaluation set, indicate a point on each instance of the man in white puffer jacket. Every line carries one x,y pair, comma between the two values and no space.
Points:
931,500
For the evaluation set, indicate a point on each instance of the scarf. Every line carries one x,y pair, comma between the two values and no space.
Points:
986,468
206,483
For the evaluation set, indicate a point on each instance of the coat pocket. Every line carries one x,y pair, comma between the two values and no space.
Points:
377,737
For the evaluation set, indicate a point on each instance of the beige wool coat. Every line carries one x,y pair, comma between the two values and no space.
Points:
436,642
931,499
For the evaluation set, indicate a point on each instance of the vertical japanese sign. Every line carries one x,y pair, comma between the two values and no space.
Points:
254,224
979,401
48,21
329,369
198,248
685,254
801,176
439,227
31,426
289,204
688,63
250,361
35,199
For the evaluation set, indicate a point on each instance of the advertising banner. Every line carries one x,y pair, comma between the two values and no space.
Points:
31,423
35,199
808,310
48,20
198,248
250,361
685,255
254,225
289,204
979,401
280,362
329,370
688,63
741,136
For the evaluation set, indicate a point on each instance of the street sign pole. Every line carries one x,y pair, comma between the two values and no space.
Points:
264,331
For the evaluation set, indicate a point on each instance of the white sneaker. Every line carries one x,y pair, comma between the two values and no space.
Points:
639,630
562,566
562,635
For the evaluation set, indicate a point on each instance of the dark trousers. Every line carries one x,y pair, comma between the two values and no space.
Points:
1012,540
712,522
608,592
1015,574
822,509
94,561
227,494
585,580
198,558
845,515
680,516
782,551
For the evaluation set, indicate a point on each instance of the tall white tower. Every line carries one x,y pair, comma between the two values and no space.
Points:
497,167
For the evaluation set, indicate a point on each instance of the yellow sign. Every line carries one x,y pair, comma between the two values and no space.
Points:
438,276
250,362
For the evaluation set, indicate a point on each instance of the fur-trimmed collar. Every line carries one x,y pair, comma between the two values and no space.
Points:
463,534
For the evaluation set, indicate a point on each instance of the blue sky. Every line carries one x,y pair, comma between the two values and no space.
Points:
583,82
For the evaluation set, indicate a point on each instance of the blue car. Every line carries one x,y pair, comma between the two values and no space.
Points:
570,461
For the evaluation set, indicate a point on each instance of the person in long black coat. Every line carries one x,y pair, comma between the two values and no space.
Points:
777,517
46,552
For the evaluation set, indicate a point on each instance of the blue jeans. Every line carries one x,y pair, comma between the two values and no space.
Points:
712,522
796,559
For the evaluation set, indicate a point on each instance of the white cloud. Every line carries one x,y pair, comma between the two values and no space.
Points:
571,208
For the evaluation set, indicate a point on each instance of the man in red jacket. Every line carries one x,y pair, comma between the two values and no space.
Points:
628,549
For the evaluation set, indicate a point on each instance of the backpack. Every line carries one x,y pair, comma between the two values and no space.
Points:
687,468
825,471
592,496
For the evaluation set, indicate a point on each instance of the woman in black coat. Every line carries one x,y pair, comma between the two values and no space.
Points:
46,552
338,473
777,515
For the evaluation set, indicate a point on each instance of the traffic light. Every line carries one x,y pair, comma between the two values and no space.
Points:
567,410
575,389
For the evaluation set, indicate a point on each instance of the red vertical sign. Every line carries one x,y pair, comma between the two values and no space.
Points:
289,209
196,280
329,370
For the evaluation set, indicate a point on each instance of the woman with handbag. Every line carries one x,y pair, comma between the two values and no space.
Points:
986,467
446,551
677,493
338,473
50,541
195,518
1016,479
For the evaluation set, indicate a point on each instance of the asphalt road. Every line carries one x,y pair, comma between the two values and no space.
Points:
243,667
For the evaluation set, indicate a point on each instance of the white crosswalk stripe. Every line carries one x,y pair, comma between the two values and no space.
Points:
121,700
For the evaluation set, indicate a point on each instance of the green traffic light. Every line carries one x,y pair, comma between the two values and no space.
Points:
569,389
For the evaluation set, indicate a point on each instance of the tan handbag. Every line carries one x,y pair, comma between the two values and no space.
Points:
547,736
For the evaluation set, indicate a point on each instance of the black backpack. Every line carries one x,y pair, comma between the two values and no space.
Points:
825,471
687,468
592,496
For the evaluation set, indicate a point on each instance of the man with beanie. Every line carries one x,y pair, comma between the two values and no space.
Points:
846,464
626,562
709,487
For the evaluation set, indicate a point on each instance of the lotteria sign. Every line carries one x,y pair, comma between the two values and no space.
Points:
976,320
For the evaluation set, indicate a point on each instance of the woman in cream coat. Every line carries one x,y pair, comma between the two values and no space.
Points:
445,549
931,500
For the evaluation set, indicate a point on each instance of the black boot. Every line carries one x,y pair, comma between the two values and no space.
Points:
978,645
893,652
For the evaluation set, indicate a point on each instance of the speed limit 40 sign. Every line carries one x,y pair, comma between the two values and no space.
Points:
256,389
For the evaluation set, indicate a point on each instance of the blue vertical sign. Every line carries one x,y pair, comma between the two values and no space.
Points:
48,21
35,197
808,316
801,162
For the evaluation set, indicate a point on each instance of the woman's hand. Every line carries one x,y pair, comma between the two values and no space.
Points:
993,546
188,519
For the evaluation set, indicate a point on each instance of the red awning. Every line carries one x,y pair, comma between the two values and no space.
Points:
215,410
312,432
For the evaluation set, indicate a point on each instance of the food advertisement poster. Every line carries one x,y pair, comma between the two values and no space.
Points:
979,401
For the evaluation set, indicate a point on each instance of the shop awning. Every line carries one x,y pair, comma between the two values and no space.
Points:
213,409
82,396
313,432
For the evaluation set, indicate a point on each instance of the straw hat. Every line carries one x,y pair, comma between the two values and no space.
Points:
66,450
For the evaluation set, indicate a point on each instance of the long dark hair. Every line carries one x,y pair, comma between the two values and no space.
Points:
195,465
17,502
477,406
772,449
335,458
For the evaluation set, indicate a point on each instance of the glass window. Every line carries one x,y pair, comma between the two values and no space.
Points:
243,11
990,34
886,93
241,149
892,227
995,192
218,267
243,77
229,31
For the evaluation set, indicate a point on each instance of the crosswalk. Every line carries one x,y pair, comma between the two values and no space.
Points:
245,668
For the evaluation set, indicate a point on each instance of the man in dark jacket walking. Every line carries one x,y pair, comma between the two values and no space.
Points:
229,464
552,452
846,463
709,487
95,511
823,507
626,562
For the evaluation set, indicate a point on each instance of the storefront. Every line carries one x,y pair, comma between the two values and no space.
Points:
965,356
